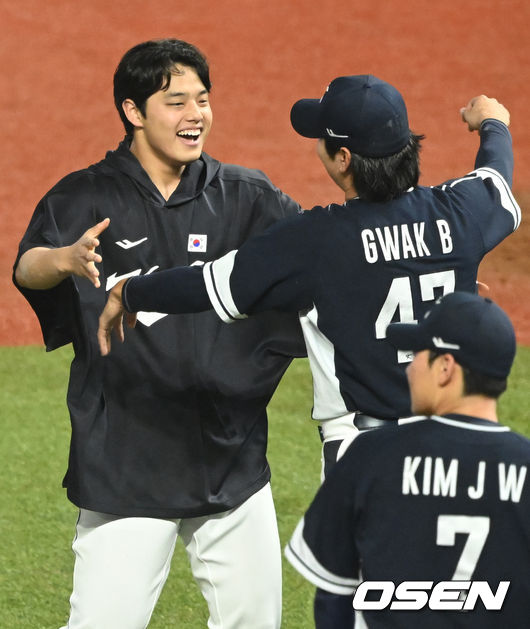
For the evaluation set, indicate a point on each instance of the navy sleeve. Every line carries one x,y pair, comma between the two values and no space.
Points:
495,149
332,539
272,271
182,289
174,291
323,547
276,270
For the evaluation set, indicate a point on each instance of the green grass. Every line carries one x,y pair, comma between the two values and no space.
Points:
37,521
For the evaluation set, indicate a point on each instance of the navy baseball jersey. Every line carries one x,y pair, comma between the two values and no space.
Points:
352,269
462,491
173,423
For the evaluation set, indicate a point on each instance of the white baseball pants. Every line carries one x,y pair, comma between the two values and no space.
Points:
122,563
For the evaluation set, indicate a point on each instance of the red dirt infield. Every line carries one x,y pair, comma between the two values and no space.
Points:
58,59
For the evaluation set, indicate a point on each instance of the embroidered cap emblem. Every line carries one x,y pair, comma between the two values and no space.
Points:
441,344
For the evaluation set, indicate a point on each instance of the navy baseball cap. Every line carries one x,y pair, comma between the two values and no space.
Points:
473,329
366,114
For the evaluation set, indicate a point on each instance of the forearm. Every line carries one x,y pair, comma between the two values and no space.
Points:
175,291
41,268
495,149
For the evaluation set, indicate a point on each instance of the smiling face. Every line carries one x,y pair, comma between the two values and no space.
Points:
176,123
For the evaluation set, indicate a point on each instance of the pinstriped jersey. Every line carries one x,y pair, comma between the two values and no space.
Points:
430,499
352,269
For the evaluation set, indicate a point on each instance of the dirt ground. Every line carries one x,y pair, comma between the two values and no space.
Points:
57,111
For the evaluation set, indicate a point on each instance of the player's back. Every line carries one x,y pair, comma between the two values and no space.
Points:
444,499
381,263
353,269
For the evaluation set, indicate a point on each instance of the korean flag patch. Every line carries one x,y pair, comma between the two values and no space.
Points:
197,242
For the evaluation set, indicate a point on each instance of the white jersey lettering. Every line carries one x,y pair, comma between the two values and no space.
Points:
394,242
427,476
389,242
511,482
478,491
370,249
444,483
409,484
435,479
444,231
419,233
407,244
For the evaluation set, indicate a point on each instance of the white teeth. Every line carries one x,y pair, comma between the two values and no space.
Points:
189,133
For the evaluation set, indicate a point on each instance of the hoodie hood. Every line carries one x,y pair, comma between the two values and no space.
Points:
195,177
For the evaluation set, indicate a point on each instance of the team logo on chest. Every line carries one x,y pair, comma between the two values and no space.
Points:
127,244
197,242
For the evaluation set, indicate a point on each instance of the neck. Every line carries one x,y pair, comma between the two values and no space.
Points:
166,177
473,405
349,189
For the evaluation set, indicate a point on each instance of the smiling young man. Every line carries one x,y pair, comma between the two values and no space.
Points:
171,128
169,435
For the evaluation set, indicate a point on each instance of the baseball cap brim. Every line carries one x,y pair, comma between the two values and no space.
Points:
305,117
476,331
408,337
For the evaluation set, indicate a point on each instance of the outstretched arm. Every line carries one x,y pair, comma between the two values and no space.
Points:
272,271
43,268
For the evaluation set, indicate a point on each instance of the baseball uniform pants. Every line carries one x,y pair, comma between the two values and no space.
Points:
122,563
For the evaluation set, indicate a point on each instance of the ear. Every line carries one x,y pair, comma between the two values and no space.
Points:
343,156
134,115
447,369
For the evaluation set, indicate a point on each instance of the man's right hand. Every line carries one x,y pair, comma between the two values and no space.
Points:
42,268
81,257
480,108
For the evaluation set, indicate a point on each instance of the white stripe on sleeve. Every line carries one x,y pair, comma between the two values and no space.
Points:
302,559
217,280
508,201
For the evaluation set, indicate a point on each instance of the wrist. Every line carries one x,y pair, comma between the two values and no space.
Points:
124,301
485,122
63,261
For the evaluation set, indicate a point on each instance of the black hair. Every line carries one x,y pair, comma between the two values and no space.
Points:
147,68
382,179
476,383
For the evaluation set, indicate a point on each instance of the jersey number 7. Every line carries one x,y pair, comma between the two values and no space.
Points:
476,527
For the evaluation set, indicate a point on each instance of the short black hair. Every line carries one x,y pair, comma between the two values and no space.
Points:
382,179
476,383
147,68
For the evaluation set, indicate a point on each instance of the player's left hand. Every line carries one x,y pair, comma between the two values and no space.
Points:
480,108
112,319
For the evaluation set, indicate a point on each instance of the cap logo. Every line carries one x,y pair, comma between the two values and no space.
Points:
441,344
332,134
